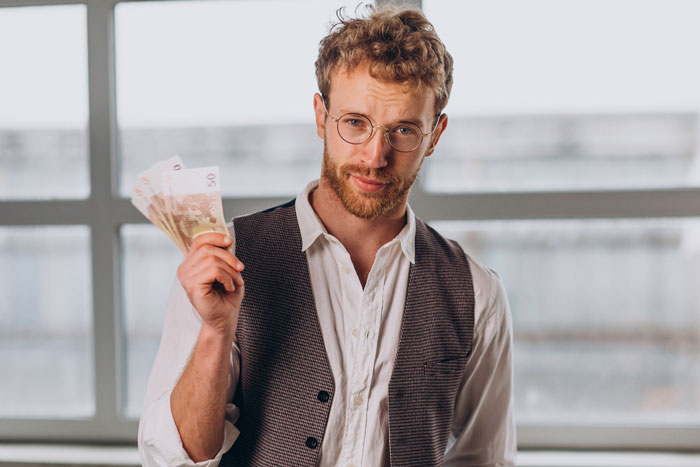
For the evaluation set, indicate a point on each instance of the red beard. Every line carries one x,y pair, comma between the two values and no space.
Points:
362,204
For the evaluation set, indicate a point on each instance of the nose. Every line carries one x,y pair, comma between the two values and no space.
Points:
377,149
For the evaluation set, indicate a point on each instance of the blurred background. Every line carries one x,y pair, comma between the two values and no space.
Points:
570,165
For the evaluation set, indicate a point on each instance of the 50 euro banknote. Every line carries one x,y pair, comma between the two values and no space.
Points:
182,202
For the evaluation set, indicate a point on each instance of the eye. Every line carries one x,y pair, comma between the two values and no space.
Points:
355,122
405,130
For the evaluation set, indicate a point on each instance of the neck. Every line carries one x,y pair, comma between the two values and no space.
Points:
360,237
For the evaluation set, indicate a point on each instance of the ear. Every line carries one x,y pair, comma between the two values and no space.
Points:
320,115
442,124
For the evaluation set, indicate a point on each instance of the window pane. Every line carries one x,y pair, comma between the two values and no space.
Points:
226,83
43,96
606,315
540,103
46,359
150,261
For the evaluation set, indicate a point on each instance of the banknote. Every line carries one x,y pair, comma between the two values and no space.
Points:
193,201
148,197
182,202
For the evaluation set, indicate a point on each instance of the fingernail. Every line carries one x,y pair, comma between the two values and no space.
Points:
227,240
240,265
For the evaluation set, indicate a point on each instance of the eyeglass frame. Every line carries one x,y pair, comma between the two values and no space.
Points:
386,130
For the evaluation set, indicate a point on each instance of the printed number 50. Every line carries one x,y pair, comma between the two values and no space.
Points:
211,179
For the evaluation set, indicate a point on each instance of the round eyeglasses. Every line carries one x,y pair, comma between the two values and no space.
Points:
357,128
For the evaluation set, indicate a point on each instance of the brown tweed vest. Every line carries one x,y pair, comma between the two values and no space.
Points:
286,386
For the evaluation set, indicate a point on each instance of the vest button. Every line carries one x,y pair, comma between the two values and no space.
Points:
311,442
323,396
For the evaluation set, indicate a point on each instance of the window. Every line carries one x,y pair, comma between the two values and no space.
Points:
213,103
569,166
43,88
46,322
92,98
605,315
46,303
582,94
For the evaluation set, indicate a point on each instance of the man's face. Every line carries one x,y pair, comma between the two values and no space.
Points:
372,179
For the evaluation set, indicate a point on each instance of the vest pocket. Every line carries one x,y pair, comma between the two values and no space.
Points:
446,367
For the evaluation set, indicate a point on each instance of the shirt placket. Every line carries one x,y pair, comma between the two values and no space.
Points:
363,338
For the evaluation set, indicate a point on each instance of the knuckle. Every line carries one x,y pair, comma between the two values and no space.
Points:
197,243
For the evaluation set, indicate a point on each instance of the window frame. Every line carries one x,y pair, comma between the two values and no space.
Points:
105,211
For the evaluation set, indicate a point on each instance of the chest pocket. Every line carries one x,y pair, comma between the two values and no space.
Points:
446,367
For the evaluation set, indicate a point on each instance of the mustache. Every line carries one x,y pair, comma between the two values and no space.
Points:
378,175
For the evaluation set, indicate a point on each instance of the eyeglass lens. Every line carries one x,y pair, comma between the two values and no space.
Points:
356,129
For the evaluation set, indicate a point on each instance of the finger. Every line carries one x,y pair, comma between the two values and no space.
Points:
195,269
238,279
225,255
226,281
214,280
205,272
216,263
231,282
211,238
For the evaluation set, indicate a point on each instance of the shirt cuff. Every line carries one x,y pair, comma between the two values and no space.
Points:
159,441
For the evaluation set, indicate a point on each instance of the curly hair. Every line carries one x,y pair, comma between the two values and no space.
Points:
399,44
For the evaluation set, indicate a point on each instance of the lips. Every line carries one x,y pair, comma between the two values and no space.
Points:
366,184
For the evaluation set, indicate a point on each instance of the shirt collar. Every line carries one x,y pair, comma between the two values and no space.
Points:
311,227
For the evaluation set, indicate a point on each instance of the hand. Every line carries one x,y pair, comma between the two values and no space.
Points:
211,277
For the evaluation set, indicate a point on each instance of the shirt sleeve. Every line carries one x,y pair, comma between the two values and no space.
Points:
159,441
483,429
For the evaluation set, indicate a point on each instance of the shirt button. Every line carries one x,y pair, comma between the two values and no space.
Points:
358,401
346,269
355,332
311,443
323,396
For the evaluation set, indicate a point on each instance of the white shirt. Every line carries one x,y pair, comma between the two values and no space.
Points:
362,328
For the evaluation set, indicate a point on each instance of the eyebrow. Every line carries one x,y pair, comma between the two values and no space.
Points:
416,121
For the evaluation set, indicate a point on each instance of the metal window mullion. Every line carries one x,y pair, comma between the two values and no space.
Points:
609,436
107,330
16,3
409,3
67,430
60,212
650,203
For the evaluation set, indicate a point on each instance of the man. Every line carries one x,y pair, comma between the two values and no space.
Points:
355,334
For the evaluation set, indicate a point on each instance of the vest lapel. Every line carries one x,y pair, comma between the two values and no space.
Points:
286,386
434,345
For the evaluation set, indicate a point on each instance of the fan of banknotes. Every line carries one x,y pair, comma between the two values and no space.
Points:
182,202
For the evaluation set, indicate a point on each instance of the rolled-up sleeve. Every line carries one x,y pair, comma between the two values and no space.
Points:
483,429
159,441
